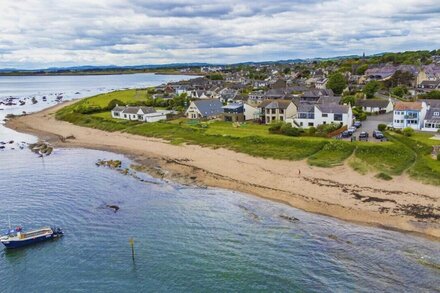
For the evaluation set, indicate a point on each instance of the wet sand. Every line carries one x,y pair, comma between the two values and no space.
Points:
402,204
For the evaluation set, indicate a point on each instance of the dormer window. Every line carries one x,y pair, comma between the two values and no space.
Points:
436,113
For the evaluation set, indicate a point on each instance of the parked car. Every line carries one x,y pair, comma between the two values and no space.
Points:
378,134
346,134
357,124
352,130
363,136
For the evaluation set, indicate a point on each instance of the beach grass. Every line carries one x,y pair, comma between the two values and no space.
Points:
332,154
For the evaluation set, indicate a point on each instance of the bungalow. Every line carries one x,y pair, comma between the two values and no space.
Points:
208,109
317,114
277,110
409,114
375,106
145,114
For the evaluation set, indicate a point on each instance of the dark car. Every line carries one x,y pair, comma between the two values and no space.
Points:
346,134
378,134
357,124
363,136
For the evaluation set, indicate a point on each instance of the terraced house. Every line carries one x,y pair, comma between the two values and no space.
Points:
277,110
409,114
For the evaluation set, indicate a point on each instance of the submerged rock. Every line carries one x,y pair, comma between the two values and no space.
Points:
115,208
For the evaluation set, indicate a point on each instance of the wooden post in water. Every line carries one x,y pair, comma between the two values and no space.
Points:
132,247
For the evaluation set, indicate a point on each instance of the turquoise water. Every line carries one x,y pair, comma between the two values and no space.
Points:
187,239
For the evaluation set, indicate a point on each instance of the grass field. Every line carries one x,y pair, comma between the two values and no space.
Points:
399,155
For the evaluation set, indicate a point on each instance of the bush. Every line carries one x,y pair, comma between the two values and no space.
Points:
384,176
112,104
408,131
324,129
287,129
438,157
275,128
382,127
312,130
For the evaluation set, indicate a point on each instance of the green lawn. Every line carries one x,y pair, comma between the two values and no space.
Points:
399,155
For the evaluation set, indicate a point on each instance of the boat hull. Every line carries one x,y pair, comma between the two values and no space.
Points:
21,243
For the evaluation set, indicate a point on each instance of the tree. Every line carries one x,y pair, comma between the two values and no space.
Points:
113,104
337,83
371,88
361,69
435,94
287,70
408,131
399,78
348,100
399,91
382,127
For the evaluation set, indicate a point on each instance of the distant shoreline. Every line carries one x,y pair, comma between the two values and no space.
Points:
100,73
339,192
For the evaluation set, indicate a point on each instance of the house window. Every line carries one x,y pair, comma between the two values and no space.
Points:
268,119
116,114
300,124
125,115
274,118
281,111
268,111
436,113
324,115
338,117
281,118
273,111
310,124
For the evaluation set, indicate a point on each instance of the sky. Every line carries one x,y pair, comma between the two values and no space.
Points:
46,33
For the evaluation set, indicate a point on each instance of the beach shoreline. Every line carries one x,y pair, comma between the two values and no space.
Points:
401,204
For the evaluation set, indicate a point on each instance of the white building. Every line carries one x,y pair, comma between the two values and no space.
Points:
313,115
409,114
144,114
375,106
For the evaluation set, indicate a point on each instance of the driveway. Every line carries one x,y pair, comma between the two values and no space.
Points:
374,120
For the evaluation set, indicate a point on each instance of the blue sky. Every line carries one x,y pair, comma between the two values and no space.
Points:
43,33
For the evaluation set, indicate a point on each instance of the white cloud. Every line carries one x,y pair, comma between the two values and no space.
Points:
40,33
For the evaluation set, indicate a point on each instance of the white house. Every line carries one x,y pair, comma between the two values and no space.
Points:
209,109
145,114
375,105
409,114
317,114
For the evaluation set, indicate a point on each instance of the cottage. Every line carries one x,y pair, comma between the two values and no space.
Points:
375,106
207,109
277,110
145,114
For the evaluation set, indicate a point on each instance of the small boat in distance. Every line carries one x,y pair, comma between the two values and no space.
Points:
15,238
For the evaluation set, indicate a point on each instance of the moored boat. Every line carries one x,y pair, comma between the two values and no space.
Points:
15,238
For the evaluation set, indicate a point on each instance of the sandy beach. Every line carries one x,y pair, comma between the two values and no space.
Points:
402,204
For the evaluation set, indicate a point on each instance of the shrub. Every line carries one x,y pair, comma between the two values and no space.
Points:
408,131
112,104
275,128
324,129
287,129
312,130
438,157
384,176
382,127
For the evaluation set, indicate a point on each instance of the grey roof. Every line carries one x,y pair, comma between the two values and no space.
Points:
210,107
433,114
333,108
278,104
233,106
134,110
373,103
329,99
118,109
306,107
433,103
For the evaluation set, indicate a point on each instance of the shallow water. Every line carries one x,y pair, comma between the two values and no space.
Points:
187,238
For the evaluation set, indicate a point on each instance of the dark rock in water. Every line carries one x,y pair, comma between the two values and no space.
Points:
334,237
115,208
11,142
2,147
289,218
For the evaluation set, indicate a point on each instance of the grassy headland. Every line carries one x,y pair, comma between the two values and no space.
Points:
397,156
